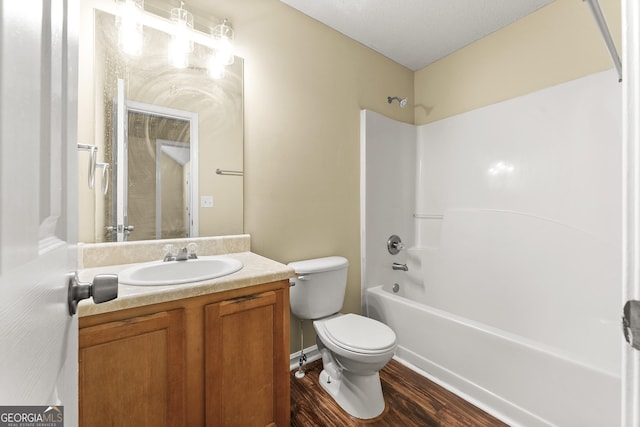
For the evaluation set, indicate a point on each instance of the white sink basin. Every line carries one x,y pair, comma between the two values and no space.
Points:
160,273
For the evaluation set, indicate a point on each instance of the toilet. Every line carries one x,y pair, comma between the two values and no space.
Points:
354,348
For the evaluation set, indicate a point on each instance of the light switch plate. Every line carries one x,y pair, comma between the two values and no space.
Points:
206,201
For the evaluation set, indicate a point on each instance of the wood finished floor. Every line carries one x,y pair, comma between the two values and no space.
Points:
411,400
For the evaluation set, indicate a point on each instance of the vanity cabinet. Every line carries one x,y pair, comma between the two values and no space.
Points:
133,370
220,359
244,384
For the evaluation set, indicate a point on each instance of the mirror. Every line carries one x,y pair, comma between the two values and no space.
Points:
176,127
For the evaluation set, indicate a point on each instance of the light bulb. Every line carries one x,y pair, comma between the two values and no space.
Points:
223,43
224,52
178,53
181,44
214,68
129,24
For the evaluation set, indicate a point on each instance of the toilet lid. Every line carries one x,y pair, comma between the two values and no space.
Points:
355,332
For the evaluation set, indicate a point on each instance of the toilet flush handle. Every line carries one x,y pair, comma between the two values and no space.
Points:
293,283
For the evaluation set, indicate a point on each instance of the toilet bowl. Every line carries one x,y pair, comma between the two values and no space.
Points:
354,348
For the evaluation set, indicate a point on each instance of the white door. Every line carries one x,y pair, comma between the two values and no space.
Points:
38,203
631,195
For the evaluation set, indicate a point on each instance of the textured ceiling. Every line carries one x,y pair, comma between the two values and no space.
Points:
416,33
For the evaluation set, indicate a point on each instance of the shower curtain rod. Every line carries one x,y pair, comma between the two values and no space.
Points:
604,30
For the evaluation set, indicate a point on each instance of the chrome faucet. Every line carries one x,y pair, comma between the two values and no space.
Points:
398,266
169,253
183,254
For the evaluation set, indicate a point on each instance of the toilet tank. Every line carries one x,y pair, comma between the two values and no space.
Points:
319,286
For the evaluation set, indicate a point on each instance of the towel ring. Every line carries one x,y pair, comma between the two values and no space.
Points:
105,176
93,152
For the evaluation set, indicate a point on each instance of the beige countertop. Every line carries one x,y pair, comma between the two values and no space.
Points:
256,270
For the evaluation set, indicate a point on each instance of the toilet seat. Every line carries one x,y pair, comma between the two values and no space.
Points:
359,334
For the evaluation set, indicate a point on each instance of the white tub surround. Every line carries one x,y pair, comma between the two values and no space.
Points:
96,258
512,294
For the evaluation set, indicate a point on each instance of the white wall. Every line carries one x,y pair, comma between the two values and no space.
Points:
563,143
387,193
532,246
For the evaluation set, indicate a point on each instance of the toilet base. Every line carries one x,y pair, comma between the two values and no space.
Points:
359,395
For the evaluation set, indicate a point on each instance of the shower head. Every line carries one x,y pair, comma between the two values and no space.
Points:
401,101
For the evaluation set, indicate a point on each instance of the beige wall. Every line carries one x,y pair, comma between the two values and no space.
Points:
86,126
558,43
304,87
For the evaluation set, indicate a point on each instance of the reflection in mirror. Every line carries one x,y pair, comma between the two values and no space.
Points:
166,108
155,170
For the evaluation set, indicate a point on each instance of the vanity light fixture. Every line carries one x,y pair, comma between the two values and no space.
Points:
181,44
223,43
129,24
222,55
130,20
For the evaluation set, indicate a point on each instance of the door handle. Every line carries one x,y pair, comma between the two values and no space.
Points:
104,288
631,323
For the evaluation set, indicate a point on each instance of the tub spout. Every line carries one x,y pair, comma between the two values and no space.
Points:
398,266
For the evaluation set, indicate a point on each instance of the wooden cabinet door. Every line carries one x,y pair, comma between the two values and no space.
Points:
246,368
132,372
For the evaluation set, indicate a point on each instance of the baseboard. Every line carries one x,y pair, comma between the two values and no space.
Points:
312,354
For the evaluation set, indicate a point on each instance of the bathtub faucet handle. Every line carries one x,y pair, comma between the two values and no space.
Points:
394,245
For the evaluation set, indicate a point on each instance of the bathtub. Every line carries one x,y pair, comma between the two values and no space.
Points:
513,379
525,328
